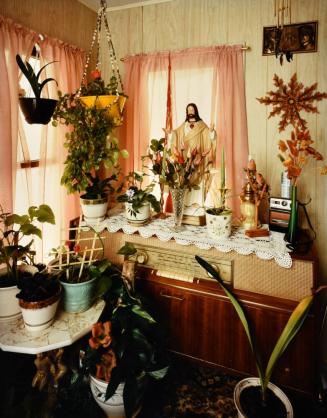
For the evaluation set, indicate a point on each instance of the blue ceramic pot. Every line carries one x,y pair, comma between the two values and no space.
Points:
79,297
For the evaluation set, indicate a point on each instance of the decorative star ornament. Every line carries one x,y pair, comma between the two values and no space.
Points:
290,99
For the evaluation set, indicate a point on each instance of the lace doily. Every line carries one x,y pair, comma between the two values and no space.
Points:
265,248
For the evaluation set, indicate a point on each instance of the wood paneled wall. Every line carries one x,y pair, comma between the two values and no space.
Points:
187,23
67,20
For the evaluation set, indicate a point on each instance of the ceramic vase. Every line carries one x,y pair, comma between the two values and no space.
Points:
178,198
140,217
292,228
254,381
112,407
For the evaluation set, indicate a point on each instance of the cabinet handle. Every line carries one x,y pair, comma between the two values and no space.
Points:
171,297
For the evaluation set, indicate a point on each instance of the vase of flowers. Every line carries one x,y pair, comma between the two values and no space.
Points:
181,172
294,154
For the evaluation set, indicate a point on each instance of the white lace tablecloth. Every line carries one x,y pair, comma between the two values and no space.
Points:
265,248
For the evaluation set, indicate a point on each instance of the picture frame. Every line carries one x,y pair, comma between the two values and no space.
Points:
296,38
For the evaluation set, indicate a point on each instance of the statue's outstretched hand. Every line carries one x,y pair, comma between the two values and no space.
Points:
212,127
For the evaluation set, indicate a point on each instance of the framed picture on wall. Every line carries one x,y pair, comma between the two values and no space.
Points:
296,38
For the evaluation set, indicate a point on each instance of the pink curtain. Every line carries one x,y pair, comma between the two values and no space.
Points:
44,187
142,73
218,90
14,39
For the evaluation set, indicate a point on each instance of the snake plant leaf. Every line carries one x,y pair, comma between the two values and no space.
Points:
292,327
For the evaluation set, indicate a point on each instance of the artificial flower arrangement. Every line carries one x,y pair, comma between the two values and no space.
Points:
182,169
136,196
295,153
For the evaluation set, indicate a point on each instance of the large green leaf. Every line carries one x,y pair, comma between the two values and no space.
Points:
291,329
159,373
143,314
45,214
127,249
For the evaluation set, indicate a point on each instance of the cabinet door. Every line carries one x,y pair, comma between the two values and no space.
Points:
206,327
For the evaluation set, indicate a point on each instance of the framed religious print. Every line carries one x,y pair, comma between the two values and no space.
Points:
296,38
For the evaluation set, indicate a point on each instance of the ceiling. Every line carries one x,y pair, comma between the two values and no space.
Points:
120,4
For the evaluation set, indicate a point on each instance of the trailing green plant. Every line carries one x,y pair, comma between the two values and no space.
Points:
97,86
137,196
90,143
126,346
98,188
290,330
13,230
33,78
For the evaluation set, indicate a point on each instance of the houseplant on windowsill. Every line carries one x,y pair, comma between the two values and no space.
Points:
125,351
265,394
138,200
16,252
37,109
90,144
219,218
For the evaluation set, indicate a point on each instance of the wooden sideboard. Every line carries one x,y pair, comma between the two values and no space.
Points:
202,323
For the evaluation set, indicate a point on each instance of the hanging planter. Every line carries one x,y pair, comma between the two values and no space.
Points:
36,109
96,94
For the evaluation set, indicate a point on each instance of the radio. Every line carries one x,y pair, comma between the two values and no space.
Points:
279,213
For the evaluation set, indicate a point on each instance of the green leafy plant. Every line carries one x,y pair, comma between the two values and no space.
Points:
33,78
98,188
97,87
38,286
292,327
13,229
90,143
138,196
127,346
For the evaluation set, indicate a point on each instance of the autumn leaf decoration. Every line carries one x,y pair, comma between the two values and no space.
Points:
295,154
289,99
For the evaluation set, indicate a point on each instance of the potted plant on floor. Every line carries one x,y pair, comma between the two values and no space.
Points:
16,252
263,397
138,200
91,147
125,352
36,109
219,218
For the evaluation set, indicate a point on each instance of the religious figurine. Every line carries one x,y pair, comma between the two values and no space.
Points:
254,191
194,133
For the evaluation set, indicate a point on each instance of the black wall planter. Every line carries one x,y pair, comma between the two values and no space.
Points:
37,110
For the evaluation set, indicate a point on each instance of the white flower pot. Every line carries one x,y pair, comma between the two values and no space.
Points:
9,306
141,216
94,210
254,381
219,226
39,315
112,407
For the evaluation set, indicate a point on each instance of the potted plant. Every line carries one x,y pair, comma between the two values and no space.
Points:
16,252
84,275
124,352
91,147
219,218
38,298
138,200
264,396
97,93
36,109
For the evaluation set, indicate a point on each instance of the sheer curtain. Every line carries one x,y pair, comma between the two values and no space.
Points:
213,78
42,184
13,39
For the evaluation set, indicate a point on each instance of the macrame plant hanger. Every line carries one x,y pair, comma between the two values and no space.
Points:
115,102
